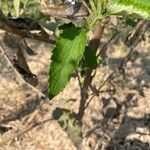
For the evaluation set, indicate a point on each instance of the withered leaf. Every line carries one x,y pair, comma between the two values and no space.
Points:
22,67
24,23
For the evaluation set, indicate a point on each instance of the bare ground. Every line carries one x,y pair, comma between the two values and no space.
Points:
119,121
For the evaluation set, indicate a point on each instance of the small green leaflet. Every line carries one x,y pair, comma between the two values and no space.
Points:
66,56
89,58
136,8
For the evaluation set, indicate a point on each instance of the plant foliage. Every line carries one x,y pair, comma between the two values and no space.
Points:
66,56
137,8
71,43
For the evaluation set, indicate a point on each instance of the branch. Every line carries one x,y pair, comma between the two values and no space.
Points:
5,25
131,42
94,44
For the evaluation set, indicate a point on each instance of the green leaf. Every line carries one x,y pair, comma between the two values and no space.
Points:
66,56
130,23
17,7
89,59
66,26
135,8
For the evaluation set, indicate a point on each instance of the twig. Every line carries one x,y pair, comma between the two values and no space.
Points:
30,127
79,81
94,44
105,46
4,25
138,28
131,39
87,7
93,95
25,130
